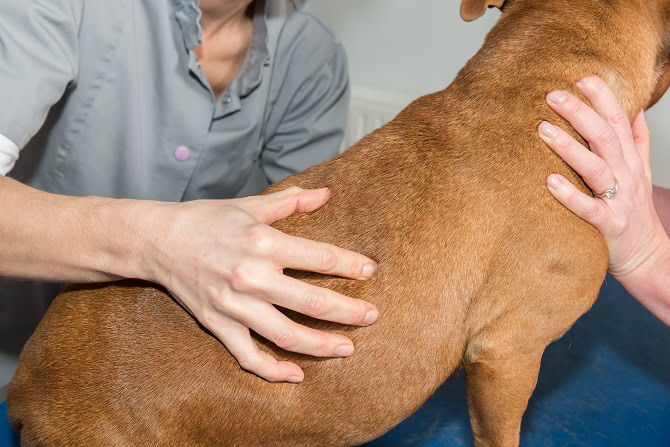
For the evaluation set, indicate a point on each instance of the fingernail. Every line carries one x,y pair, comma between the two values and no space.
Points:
344,350
369,270
554,182
371,317
584,82
547,129
557,97
295,379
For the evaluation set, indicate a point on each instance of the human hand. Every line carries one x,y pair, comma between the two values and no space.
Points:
619,152
224,263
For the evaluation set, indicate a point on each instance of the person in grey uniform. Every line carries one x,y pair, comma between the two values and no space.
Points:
125,112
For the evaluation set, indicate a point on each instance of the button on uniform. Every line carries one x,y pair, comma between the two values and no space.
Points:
182,153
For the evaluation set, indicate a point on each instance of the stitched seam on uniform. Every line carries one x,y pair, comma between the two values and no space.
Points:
26,135
73,70
300,10
304,84
79,122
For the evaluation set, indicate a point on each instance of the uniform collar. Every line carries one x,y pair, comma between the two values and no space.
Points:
188,14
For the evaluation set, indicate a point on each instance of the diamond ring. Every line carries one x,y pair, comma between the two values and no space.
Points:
610,193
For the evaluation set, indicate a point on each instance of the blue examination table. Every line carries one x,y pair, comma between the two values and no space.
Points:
605,383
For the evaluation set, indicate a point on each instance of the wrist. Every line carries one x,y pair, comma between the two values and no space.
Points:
650,273
661,197
126,233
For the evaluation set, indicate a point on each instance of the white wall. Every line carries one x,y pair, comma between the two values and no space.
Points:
416,47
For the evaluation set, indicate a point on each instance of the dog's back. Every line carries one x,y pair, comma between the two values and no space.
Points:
477,264
125,364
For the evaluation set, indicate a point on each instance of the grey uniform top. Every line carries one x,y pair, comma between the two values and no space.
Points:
109,98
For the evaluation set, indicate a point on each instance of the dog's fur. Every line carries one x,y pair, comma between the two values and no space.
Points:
478,266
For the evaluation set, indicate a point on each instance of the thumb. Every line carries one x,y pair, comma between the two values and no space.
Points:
642,141
280,205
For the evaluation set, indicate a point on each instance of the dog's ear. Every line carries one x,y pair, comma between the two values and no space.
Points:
474,9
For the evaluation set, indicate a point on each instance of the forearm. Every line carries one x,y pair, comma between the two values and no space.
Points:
650,283
662,204
70,239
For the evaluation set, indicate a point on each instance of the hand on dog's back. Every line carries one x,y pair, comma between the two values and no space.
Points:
224,263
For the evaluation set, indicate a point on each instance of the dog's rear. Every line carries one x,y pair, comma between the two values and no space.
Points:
478,265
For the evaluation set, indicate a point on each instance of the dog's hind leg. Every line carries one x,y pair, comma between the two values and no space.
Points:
498,392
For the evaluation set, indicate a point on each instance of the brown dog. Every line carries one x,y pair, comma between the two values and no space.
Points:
478,265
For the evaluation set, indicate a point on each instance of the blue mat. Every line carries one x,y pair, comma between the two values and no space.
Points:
7,437
605,384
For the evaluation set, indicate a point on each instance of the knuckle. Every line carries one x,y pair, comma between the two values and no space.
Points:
618,117
598,85
259,238
358,313
249,362
207,317
598,170
574,106
356,268
592,213
221,302
570,195
637,167
211,289
619,226
562,141
214,293
608,137
322,349
240,278
285,338
327,260
314,303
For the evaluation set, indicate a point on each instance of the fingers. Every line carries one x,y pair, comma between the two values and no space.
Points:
642,141
270,208
303,254
238,341
606,105
593,169
589,209
317,302
602,138
271,324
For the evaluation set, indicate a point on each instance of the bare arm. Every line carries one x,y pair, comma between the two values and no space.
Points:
650,283
662,204
73,239
221,259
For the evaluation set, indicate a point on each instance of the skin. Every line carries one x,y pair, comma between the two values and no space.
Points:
662,203
204,252
635,222
226,33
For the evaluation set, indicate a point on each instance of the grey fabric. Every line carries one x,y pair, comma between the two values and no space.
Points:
111,89
100,94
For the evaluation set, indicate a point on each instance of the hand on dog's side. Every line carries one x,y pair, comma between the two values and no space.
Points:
224,263
635,236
